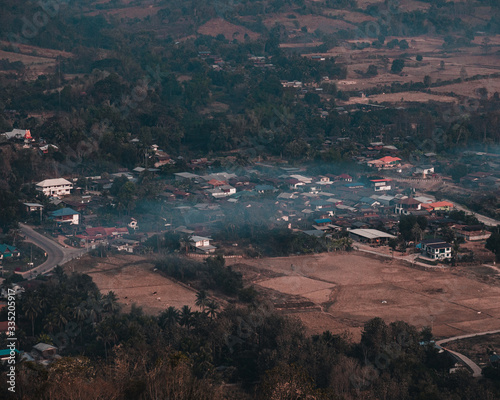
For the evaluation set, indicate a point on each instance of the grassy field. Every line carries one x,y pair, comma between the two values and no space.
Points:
340,292
133,280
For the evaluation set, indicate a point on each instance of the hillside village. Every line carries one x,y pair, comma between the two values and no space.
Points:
109,211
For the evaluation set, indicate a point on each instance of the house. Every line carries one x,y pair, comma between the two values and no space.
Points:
7,251
438,206
4,327
472,233
369,201
201,244
381,185
407,206
32,207
424,170
186,176
5,353
386,162
354,185
66,215
435,249
373,236
323,180
55,187
124,245
14,134
345,178
264,188
44,350
294,183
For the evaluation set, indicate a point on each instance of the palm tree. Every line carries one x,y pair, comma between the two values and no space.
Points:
80,312
94,308
186,316
50,323
169,317
31,310
106,335
212,309
110,302
201,299
59,272
59,315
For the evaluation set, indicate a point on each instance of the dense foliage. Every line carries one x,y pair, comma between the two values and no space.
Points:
194,354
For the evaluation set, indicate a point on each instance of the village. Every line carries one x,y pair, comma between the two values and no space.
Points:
194,206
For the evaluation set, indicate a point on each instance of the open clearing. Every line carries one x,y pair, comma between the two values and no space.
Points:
132,279
349,289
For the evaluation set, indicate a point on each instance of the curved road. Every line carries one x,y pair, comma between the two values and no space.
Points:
476,370
56,254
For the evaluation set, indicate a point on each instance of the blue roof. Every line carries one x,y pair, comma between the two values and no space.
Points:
323,221
354,184
264,187
63,212
6,248
6,352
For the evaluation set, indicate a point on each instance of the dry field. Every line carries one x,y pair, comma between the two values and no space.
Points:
349,16
133,280
37,59
340,292
128,12
403,97
313,22
231,31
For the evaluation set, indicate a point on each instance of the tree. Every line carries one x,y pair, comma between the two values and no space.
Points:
201,299
397,66
427,81
186,316
372,70
212,307
169,318
458,171
419,57
31,309
493,243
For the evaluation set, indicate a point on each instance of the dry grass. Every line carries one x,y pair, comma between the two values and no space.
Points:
312,22
133,280
352,288
217,26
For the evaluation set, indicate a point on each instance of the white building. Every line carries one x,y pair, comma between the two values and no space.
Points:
436,249
55,187
202,244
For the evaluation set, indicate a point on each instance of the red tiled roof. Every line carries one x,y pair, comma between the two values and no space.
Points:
389,159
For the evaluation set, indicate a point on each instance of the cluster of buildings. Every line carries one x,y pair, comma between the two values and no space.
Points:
368,208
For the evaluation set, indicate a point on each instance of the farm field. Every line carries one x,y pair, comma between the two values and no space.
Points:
132,279
340,292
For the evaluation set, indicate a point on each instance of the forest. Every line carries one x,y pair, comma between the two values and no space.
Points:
248,351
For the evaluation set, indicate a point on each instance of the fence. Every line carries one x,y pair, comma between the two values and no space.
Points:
195,255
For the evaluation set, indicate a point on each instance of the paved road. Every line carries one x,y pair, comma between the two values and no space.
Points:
476,370
481,218
56,254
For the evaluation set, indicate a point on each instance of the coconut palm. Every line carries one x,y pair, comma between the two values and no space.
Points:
31,308
186,316
170,317
201,299
110,302
212,307
59,314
